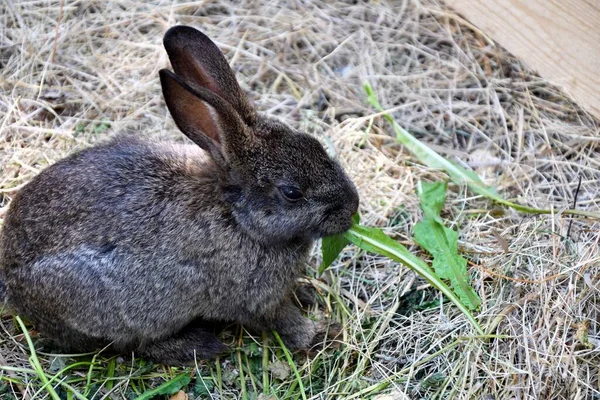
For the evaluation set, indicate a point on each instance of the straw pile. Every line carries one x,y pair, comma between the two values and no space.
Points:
75,72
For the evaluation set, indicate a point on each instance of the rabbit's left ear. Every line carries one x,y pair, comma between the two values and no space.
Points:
199,62
207,119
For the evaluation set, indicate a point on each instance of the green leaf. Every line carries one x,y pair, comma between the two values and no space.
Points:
432,197
375,241
442,243
332,246
101,127
457,173
169,387
203,386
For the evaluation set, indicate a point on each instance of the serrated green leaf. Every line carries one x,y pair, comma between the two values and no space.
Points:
442,243
169,387
375,241
432,197
204,386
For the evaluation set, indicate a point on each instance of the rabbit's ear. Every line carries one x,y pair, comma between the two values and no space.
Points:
199,61
204,117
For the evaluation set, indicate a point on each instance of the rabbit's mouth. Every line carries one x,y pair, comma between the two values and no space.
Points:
335,223
339,218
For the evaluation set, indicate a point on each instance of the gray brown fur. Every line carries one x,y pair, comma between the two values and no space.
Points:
133,244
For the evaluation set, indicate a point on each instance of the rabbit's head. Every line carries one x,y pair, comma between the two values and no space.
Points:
280,183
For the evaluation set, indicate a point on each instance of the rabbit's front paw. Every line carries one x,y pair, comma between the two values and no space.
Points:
312,336
296,331
300,336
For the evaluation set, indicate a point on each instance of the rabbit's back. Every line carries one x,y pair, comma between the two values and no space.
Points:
98,196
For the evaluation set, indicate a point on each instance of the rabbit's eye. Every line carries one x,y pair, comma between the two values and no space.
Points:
291,193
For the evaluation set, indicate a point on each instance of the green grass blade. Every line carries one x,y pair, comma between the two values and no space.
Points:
375,241
169,387
242,377
110,373
457,173
58,374
35,362
265,364
72,391
288,357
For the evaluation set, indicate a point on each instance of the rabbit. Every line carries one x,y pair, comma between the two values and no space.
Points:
139,246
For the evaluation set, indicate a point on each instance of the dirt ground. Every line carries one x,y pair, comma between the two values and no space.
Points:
75,72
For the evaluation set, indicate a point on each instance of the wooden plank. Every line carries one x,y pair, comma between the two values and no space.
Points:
560,39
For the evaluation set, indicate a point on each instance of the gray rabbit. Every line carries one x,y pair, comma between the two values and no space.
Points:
138,245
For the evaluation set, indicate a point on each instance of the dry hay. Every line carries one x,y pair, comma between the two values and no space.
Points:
74,72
